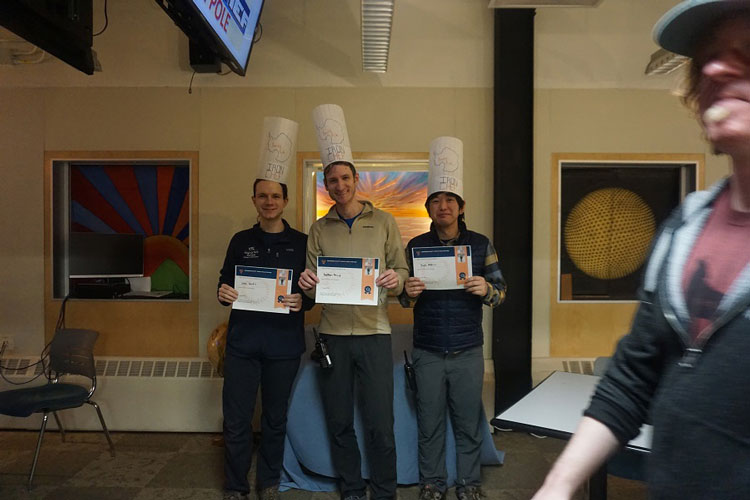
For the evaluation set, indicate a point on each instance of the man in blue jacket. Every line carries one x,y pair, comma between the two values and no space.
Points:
448,336
684,361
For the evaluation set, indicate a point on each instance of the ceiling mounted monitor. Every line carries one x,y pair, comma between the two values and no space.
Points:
59,27
225,27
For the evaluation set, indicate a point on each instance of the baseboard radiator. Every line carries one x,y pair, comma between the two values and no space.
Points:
542,367
167,395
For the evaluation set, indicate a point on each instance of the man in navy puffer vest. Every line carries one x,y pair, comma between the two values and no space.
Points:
448,336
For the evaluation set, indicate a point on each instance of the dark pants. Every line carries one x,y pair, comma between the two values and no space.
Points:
241,379
366,359
452,381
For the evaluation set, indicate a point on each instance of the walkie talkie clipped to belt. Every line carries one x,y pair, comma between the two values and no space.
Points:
320,353
409,374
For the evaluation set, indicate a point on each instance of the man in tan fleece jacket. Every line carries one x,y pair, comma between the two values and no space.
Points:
358,337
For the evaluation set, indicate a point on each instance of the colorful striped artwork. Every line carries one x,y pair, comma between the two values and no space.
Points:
153,200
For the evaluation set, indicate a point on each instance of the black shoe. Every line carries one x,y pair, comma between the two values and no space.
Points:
235,495
270,493
470,493
430,492
356,496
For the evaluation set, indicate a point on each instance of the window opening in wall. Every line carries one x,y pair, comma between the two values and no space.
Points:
121,229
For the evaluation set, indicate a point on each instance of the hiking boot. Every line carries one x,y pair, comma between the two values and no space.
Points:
470,493
430,492
356,496
270,493
235,495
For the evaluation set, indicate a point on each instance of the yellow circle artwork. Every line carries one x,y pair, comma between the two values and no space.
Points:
608,233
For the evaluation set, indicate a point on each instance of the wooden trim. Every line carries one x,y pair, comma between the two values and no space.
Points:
153,328
302,157
592,329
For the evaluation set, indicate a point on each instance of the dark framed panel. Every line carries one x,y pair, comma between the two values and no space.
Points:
609,213
591,323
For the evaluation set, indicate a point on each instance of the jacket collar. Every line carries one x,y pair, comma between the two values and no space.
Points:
333,214
686,215
284,235
676,242
462,233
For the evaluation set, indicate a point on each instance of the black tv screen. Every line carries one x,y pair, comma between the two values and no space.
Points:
98,255
226,27
60,27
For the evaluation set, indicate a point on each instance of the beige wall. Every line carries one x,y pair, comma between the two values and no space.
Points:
21,223
224,126
600,121
140,102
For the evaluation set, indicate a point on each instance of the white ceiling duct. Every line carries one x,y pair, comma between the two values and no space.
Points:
507,4
377,19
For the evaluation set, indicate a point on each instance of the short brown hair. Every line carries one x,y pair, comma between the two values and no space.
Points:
284,190
350,165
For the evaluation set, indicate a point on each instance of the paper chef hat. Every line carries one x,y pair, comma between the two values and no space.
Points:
446,166
333,139
278,148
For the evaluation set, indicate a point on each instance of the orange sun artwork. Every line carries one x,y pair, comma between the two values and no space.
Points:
401,193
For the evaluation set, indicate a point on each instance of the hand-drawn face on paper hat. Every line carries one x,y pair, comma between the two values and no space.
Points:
446,166
278,149
330,130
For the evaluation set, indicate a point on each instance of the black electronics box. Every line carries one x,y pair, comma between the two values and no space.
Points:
100,290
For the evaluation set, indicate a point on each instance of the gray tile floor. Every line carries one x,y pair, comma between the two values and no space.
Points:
176,466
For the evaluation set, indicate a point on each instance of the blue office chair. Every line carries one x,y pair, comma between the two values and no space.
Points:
71,353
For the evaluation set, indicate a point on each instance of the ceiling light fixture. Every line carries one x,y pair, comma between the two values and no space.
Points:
377,19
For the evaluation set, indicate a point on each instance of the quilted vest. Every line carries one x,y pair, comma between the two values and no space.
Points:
450,320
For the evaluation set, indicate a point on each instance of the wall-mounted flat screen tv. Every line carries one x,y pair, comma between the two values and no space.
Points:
99,255
227,27
60,27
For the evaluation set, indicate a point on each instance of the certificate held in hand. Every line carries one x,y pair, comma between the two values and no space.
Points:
442,268
262,288
347,280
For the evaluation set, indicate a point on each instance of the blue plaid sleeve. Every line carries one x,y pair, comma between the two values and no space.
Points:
492,274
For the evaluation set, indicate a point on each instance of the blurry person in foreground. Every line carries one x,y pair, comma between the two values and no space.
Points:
684,362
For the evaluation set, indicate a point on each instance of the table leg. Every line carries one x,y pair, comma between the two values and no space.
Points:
598,484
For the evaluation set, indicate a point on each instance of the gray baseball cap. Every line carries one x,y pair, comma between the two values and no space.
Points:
678,29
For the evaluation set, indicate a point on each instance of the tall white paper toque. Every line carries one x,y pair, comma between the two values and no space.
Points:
278,148
446,166
333,139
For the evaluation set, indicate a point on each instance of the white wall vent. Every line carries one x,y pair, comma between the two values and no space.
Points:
173,395
508,4
543,367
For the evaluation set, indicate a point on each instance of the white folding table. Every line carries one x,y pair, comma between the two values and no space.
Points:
555,407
